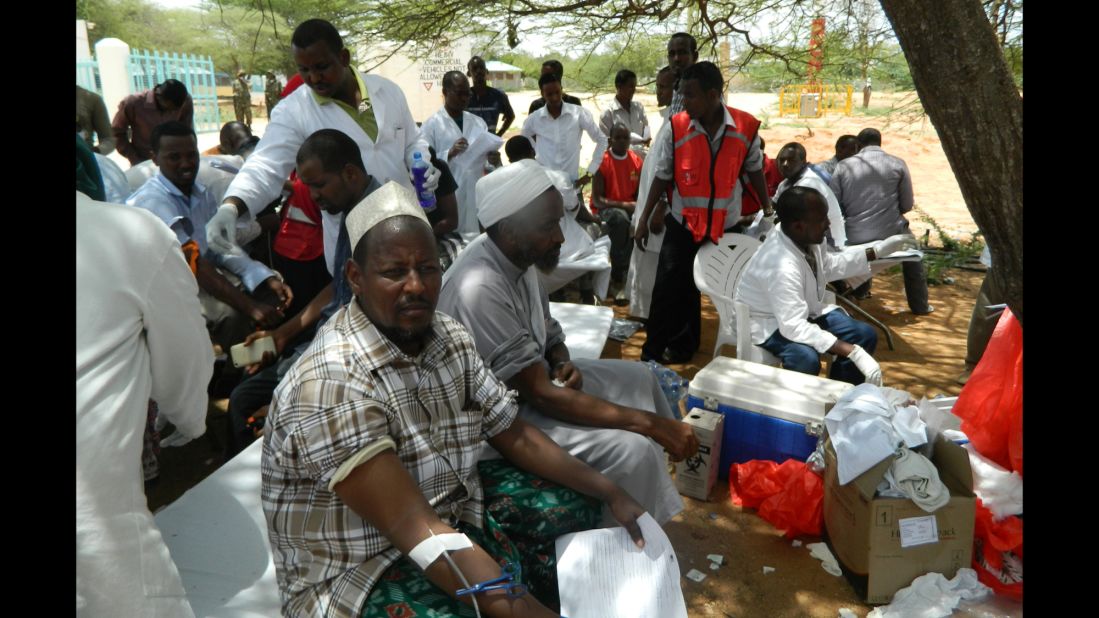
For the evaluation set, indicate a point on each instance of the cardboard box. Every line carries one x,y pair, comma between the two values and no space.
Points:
695,476
770,412
865,533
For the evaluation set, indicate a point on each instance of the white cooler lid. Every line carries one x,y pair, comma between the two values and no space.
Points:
776,392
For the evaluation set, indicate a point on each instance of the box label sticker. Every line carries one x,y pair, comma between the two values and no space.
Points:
918,531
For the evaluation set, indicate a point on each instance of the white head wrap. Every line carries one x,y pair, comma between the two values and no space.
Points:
509,189
391,200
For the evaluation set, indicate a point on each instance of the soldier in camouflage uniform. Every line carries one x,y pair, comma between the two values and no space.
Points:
242,99
271,92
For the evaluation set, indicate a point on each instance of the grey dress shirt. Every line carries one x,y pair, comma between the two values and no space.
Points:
874,190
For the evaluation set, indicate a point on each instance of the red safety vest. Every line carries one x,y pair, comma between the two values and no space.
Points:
750,203
704,183
300,236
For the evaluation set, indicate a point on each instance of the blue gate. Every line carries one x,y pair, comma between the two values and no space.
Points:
147,69
87,76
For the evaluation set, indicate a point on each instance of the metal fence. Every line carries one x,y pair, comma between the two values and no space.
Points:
87,76
814,100
147,69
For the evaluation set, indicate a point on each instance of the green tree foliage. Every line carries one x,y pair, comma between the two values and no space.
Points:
235,37
244,38
137,22
1006,17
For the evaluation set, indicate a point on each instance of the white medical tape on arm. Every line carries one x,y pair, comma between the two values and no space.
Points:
429,549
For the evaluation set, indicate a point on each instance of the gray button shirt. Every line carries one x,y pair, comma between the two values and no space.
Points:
874,190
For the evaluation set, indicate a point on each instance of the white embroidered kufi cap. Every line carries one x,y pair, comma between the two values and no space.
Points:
391,200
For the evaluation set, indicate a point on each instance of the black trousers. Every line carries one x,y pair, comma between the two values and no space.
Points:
675,317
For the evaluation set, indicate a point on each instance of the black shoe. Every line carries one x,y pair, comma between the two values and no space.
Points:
672,357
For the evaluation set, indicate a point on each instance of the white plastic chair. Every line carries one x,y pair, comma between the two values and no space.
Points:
717,270
745,350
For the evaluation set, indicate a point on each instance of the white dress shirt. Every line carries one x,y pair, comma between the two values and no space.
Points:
633,117
810,179
441,132
783,293
557,143
139,335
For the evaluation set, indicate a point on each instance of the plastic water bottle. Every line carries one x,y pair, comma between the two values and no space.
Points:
419,176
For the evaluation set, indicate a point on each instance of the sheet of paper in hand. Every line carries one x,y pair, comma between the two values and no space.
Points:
602,573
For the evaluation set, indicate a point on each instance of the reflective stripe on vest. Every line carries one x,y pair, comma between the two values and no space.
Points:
704,182
297,214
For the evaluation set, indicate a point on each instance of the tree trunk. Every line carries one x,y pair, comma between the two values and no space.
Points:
865,88
968,92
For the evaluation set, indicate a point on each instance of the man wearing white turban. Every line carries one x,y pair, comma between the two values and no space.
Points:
370,457
605,412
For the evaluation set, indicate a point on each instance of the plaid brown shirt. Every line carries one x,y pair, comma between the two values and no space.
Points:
350,389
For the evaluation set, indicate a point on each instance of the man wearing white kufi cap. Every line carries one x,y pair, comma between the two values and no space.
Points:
605,412
370,457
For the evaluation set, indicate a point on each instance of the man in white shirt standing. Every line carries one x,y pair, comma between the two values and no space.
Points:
627,111
370,109
783,285
450,131
139,334
795,170
556,129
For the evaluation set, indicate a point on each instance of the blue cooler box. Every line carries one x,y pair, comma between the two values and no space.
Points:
770,412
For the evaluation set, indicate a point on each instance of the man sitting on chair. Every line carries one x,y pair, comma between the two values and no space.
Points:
784,285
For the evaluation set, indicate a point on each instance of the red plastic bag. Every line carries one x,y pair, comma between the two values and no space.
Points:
752,482
789,496
991,403
998,552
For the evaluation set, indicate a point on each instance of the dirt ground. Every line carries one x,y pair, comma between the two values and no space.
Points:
928,357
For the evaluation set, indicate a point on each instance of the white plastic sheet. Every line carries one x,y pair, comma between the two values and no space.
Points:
933,596
865,428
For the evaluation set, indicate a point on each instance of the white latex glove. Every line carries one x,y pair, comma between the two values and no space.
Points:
431,181
896,242
221,231
176,439
866,364
247,232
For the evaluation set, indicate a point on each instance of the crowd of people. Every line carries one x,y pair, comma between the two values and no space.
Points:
421,398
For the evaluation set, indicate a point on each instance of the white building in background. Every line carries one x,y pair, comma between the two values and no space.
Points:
504,76
420,80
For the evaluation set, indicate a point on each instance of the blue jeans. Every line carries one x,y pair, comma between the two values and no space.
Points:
804,359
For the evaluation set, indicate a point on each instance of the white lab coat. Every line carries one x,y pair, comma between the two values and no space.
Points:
139,335
299,115
440,131
782,292
216,173
115,184
642,274
836,227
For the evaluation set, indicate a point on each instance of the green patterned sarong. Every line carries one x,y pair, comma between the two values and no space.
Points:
524,515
